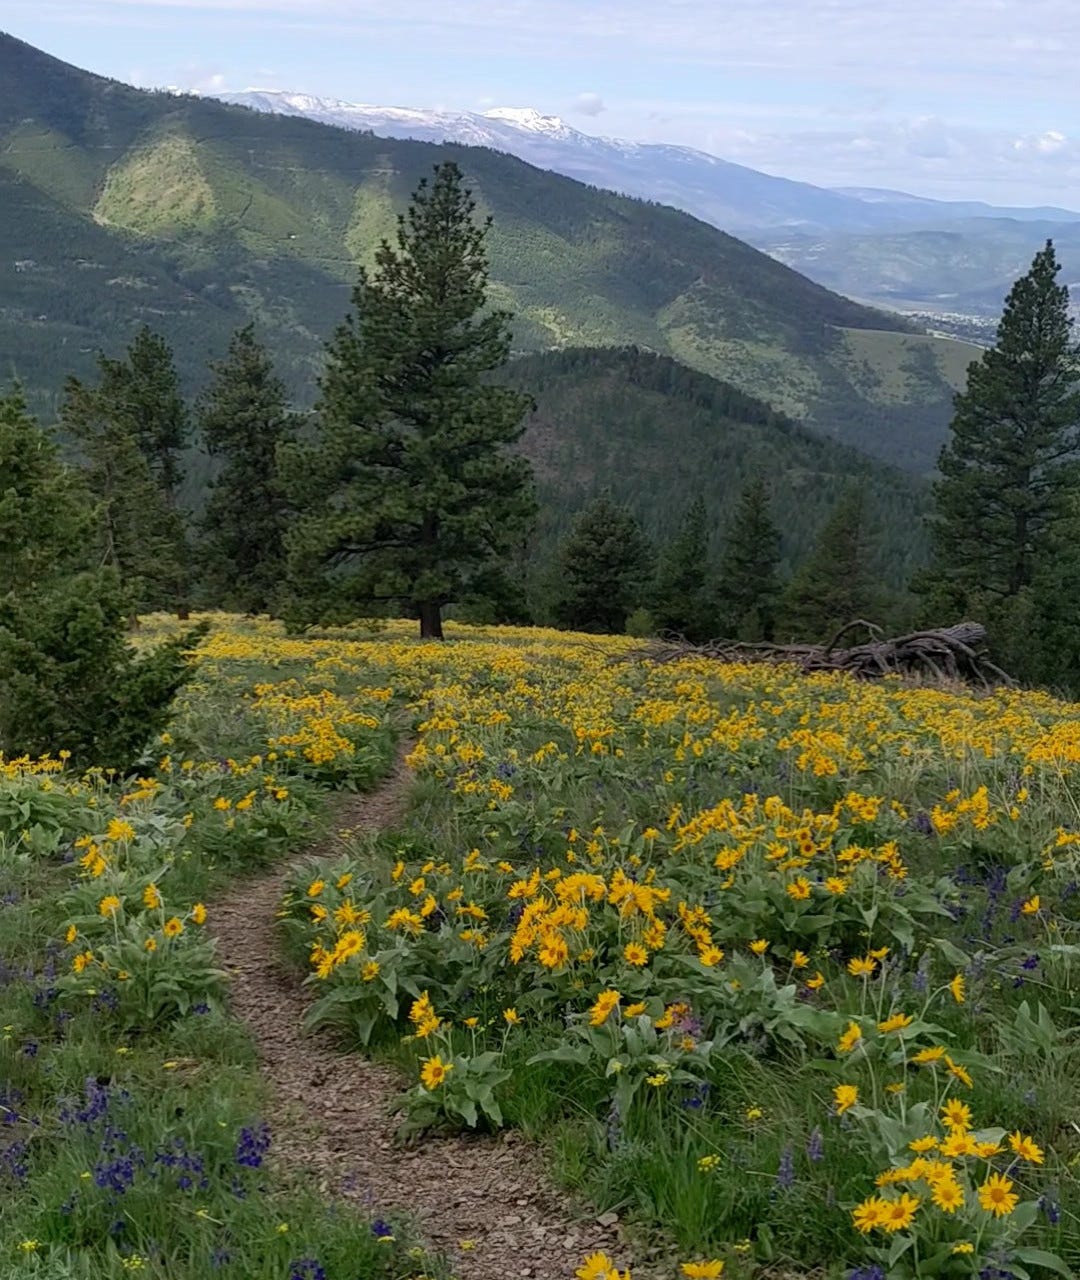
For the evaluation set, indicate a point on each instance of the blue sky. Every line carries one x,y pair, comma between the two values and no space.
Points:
956,98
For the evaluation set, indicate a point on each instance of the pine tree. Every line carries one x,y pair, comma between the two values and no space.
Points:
408,493
749,586
243,418
143,394
603,569
833,585
69,681
132,428
44,513
682,598
135,531
1010,462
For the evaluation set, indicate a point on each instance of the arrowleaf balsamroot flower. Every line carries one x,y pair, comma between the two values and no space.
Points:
956,1115
598,1266
703,1270
927,1056
846,1096
956,988
606,1002
996,1195
899,1214
870,1214
947,1194
895,1022
850,1038
434,1072
1025,1148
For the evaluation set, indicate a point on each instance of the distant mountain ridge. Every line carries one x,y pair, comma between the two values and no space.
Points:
120,207
882,247
731,196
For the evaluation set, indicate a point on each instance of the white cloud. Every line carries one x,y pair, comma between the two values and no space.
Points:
972,97
589,104
924,155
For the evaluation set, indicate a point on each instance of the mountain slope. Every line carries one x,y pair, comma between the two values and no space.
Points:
659,434
728,195
253,214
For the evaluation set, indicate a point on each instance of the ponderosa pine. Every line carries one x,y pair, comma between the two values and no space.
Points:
136,411
408,492
749,587
243,418
833,585
682,600
1009,465
69,680
603,569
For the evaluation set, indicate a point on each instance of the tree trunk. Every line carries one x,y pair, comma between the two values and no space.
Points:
430,621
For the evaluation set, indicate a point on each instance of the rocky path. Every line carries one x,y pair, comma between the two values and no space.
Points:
333,1118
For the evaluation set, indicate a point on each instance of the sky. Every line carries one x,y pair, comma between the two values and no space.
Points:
961,99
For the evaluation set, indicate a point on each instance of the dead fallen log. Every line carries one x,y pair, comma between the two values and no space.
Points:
945,653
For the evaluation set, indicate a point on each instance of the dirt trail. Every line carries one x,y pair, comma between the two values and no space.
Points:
333,1121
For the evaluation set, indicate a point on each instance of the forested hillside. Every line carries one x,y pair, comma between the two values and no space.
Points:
123,207
658,435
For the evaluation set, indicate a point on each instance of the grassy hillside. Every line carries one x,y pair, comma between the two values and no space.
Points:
268,216
658,434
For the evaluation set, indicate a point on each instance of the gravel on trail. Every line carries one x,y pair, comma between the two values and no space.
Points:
334,1122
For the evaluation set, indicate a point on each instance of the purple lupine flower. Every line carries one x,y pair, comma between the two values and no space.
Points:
252,1145
815,1144
785,1173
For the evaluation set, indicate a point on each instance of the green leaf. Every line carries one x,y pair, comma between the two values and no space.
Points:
1041,1258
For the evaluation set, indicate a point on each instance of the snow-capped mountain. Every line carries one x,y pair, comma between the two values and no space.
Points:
730,196
727,195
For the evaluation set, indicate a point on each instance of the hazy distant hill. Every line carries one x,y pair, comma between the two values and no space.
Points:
965,266
126,207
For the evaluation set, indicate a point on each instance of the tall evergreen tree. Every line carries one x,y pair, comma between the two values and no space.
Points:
682,597
132,427
135,530
749,586
68,678
833,585
1010,462
603,568
142,392
243,418
44,513
408,493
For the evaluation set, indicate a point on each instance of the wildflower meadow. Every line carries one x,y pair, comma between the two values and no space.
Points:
777,968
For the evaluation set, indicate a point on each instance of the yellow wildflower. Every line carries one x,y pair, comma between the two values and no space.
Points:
996,1195
846,1095
850,1038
